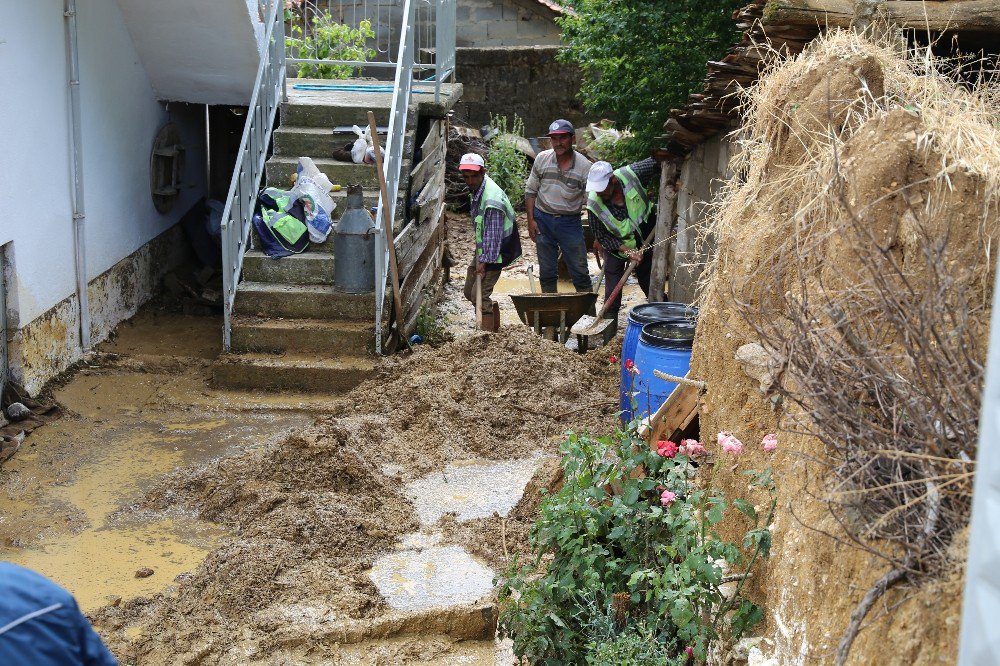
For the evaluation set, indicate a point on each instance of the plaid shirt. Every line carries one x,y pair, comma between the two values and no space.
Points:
489,253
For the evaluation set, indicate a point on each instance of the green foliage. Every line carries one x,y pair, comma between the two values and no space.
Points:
326,39
432,327
635,645
664,561
505,164
640,58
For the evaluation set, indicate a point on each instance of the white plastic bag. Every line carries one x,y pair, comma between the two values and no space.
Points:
361,144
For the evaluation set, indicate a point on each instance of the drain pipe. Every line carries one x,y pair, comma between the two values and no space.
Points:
79,217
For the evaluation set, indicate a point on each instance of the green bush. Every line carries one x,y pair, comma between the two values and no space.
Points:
326,39
432,327
654,553
640,58
505,164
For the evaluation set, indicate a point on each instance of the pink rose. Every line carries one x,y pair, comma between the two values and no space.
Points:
770,442
729,443
692,448
666,448
667,498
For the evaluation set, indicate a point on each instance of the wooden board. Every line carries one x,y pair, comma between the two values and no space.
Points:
939,15
673,416
412,242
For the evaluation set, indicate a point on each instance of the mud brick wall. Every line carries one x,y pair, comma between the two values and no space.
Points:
523,80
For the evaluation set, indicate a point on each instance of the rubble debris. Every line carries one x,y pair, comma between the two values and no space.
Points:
17,412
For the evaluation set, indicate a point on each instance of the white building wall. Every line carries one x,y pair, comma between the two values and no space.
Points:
120,118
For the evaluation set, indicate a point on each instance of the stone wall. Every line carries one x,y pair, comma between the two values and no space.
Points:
523,80
505,23
701,177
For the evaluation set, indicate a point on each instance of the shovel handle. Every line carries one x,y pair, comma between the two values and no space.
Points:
479,302
621,283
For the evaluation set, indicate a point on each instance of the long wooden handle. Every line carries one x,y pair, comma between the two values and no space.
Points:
621,283
387,210
479,302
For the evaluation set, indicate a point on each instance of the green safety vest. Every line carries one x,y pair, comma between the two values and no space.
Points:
494,197
636,202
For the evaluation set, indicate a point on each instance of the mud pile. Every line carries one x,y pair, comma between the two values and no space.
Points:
848,129
312,513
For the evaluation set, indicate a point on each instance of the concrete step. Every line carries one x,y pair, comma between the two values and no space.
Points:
280,169
288,372
261,299
315,142
300,336
320,112
305,268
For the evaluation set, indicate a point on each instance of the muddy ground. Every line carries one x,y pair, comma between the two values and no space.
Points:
261,516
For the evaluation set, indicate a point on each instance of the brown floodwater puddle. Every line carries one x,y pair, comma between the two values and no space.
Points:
64,498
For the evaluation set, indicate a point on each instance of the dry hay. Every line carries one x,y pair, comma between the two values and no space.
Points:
311,514
856,244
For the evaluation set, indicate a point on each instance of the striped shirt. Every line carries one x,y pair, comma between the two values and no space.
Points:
558,192
492,228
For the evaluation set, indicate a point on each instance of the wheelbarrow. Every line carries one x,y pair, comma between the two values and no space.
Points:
559,310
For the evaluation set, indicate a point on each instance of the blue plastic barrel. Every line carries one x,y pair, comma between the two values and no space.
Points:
661,346
639,316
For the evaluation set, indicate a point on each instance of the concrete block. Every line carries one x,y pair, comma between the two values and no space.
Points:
280,373
492,13
280,169
302,302
305,268
302,336
497,33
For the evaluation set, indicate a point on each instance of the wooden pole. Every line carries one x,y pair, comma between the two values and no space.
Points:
388,213
666,212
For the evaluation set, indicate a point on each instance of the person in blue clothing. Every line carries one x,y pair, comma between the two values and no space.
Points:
41,625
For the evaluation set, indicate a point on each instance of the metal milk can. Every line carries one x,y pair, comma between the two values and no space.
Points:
354,246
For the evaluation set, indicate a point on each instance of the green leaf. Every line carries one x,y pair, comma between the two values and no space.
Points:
746,509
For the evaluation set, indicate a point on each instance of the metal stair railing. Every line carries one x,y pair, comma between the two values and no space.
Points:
444,55
243,188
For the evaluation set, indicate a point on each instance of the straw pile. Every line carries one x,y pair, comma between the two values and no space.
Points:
855,244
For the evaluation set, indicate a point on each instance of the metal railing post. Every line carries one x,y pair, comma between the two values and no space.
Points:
249,169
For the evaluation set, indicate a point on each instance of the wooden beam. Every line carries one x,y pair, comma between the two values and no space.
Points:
674,415
934,15
666,210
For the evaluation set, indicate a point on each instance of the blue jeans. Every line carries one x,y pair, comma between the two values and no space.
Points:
566,232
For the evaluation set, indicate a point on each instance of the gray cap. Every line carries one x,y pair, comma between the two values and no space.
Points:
561,126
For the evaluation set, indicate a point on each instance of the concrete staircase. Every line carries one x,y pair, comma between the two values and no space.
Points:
292,329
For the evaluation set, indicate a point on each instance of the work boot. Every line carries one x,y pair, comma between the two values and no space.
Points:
494,324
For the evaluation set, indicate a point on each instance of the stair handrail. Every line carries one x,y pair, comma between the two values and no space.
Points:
245,183
393,163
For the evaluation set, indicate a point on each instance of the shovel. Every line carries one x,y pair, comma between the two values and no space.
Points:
531,278
588,325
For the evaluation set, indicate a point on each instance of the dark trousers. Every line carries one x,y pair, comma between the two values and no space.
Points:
564,232
614,268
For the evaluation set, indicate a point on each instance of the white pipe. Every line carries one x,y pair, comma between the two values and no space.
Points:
79,217
979,640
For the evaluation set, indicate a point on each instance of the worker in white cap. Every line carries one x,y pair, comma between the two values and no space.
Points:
498,243
620,208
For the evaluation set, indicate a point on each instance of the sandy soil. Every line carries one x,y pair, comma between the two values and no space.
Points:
310,514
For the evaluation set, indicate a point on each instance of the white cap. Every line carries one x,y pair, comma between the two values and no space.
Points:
471,162
598,177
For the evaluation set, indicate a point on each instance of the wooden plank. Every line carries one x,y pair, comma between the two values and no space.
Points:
411,244
933,15
427,170
666,211
421,275
434,138
433,191
673,416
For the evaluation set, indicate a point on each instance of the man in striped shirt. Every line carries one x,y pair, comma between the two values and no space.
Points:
554,195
